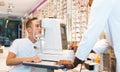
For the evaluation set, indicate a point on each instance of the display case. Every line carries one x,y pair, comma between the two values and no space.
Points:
73,12
79,19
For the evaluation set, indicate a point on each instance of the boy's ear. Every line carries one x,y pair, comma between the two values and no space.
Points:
28,30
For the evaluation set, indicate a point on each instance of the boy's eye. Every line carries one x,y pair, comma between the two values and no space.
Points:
37,25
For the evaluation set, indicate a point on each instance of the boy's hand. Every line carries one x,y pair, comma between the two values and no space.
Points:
36,59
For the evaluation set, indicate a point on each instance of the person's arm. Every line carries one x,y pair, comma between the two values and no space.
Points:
99,14
69,64
12,60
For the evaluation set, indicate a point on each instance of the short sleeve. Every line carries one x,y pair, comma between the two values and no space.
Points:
14,47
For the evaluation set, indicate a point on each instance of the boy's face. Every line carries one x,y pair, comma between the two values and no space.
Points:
35,28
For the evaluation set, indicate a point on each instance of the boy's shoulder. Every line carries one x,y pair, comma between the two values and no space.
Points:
20,39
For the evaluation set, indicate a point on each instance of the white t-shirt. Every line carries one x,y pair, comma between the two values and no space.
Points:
24,48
